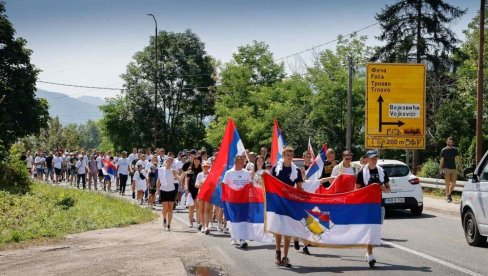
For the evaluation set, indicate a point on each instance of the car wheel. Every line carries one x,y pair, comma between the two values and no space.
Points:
417,211
471,231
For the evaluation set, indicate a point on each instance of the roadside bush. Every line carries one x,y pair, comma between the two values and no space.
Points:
430,169
13,176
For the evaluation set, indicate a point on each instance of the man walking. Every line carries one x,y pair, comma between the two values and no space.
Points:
448,162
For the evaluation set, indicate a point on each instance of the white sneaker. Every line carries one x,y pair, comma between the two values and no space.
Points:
233,242
203,230
371,260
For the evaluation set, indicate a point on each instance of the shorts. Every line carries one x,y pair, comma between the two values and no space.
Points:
57,171
48,170
39,171
450,176
194,192
100,173
71,171
152,191
167,196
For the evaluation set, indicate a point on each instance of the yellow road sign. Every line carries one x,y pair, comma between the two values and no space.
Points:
395,106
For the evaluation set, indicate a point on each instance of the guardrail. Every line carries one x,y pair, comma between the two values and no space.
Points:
439,184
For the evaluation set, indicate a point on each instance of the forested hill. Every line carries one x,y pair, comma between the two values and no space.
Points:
72,110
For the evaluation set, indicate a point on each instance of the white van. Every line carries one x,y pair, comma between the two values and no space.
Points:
474,204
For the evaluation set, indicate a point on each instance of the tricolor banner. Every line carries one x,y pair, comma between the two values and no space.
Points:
349,219
244,211
277,144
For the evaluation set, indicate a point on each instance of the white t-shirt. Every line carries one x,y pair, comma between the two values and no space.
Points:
140,183
80,167
99,162
57,162
200,179
142,163
335,171
237,179
29,161
132,157
166,179
123,164
39,161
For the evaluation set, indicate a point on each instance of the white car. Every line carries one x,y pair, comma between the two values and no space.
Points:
406,192
474,205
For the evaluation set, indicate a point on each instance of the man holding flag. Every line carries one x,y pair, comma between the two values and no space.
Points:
236,178
289,174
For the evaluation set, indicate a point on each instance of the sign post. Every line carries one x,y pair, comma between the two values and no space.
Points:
395,106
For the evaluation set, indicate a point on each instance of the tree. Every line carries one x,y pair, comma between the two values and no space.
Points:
241,94
21,113
329,79
185,96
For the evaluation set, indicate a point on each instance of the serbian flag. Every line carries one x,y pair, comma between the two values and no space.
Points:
310,148
351,219
277,144
244,211
315,170
108,168
230,146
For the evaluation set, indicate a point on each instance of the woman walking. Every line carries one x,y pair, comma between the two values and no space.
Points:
190,189
167,191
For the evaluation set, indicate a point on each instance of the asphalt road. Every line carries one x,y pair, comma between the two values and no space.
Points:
433,243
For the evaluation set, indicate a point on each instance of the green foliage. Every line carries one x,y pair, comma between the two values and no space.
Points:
184,75
49,211
21,113
430,168
13,175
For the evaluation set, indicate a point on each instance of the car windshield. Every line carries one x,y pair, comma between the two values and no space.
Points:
396,170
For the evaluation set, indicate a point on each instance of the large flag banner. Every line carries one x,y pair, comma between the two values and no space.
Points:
277,144
315,170
350,219
108,168
230,146
244,211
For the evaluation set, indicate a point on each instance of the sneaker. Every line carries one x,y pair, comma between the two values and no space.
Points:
202,230
233,242
242,244
285,262
164,222
449,199
278,258
200,227
168,228
305,250
207,231
371,260
296,245
190,225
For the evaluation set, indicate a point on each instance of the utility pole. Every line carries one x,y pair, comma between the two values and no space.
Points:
479,102
156,75
349,107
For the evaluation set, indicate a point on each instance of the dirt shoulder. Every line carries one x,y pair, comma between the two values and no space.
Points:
135,250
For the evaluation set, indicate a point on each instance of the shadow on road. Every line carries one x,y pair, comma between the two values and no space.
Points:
342,269
405,214
394,240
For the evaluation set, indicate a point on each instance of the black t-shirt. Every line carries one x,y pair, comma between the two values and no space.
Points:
374,178
186,166
327,171
49,162
192,177
306,167
449,155
284,175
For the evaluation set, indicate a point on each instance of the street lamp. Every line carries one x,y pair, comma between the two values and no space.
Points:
155,135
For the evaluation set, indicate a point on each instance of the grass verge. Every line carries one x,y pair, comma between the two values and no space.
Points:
441,194
52,212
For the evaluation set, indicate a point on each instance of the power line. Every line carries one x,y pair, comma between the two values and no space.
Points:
80,86
323,44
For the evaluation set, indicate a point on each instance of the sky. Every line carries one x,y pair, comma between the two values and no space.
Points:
90,42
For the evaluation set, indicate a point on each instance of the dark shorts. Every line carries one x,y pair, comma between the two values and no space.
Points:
39,170
57,171
167,196
152,191
194,192
100,173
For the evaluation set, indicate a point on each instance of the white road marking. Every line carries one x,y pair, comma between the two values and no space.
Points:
433,259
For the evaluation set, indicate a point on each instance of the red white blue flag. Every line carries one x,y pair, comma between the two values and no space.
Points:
349,219
315,170
244,211
108,168
230,146
277,144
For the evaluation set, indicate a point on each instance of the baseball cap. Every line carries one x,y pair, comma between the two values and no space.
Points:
371,153
205,164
